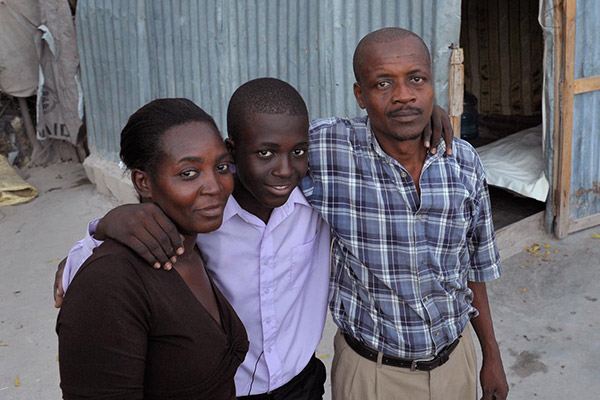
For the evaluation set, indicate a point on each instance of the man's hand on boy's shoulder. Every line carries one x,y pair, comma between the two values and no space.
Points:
146,230
59,291
438,127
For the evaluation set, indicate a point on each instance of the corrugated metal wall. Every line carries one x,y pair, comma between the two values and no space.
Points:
136,50
585,166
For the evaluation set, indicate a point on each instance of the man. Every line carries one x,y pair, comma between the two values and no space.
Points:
413,240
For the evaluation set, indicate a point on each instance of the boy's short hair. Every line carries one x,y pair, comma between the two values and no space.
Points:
262,96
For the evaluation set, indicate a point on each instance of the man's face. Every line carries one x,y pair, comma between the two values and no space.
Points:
271,156
396,88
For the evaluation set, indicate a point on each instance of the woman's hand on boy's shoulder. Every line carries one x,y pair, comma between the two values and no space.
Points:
146,230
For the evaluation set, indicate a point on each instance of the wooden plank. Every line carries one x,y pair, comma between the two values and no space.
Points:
584,223
513,238
558,50
586,85
567,94
456,82
455,121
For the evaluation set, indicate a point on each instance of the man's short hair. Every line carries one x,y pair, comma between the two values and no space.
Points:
383,35
262,96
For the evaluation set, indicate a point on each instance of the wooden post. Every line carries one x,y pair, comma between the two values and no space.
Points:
29,128
565,106
456,81
558,59
37,148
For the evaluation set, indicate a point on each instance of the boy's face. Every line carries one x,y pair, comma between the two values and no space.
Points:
271,156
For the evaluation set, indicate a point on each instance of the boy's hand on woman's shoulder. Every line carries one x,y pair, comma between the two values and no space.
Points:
146,230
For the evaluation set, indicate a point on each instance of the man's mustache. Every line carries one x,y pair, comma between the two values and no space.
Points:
402,111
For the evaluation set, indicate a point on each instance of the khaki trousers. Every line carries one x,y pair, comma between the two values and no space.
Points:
353,377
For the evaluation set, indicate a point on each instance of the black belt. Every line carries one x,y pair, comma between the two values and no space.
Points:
271,395
426,364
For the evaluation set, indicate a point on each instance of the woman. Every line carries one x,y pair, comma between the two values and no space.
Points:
127,331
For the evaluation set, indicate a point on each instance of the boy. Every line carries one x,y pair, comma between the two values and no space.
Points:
270,257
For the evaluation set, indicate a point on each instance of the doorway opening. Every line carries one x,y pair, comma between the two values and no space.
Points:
503,58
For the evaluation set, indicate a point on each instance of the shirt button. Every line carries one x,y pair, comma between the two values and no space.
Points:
426,298
437,334
419,217
403,174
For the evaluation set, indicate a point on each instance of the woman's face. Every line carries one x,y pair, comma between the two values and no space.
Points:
193,178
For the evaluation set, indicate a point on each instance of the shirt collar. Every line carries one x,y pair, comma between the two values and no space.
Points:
233,208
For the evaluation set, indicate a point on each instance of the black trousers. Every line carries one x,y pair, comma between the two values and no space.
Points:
307,385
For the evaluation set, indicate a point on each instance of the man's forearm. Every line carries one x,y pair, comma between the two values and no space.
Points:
492,377
482,324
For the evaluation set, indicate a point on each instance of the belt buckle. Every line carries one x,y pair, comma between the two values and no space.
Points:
413,364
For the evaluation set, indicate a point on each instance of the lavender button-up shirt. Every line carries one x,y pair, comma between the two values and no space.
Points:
276,277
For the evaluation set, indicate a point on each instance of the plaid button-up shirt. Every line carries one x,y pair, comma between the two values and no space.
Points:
400,263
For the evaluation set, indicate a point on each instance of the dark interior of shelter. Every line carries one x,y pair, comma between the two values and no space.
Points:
503,59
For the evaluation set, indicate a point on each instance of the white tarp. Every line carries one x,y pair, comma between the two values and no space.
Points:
516,163
59,97
19,20
38,54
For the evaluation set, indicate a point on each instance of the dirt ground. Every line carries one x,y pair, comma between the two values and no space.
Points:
545,307
35,237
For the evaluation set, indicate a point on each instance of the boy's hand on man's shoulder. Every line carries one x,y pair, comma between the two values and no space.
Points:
438,127
146,230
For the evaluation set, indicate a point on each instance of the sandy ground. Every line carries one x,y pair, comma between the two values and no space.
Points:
35,237
546,307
